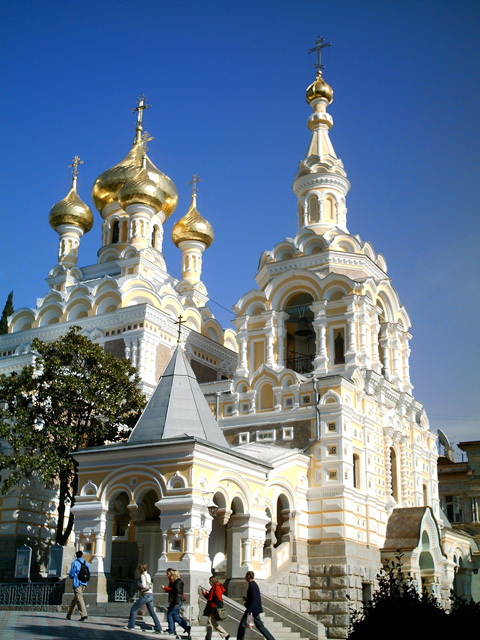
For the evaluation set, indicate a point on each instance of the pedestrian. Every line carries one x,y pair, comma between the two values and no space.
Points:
253,606
145,587
214,604
80,578
176,598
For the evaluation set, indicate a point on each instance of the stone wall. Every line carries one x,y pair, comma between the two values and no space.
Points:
337,570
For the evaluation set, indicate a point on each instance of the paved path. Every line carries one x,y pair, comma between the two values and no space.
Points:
44,625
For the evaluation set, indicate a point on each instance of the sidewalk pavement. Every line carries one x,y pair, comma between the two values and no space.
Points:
44,625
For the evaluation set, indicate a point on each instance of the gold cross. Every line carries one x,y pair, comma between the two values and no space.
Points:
319,42
142,104
194,181
146,137
180,321
75,162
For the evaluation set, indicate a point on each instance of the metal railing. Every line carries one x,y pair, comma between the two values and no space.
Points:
300,364
31,593
122,590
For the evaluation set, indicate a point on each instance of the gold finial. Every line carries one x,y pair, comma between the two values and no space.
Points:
142,105
320,45
194,181
74,166
146,137
180,321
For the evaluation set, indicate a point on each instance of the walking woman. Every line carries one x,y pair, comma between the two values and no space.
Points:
145,588
176,598
214,603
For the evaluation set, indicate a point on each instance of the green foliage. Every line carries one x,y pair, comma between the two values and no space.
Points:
7,311
397,607
74,395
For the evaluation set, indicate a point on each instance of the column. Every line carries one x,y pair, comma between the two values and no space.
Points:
385,344
396,353
374,333
363,318
269,317
405,339
320,327
242,339
281,318
351,355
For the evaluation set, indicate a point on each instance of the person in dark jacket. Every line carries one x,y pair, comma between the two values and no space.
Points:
214,602
78,587
176,598
253,605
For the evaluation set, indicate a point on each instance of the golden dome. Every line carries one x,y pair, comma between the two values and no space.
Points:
142,190
71,210
193,227
319,89
166,185
108,185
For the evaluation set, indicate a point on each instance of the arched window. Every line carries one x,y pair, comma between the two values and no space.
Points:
300,333
154,238
339,347
394,474
313,212
329,210
115,232
356,471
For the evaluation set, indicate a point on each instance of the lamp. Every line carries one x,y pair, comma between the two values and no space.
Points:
212,508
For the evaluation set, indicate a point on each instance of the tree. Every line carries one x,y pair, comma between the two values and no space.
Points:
73,395
7,311
397,608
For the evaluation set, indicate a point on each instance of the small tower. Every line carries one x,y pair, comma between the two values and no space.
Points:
192,234
70,218
321,184
149,194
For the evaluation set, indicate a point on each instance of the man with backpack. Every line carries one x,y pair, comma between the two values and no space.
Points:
80,574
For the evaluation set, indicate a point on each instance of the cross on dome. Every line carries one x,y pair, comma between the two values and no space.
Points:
194,182
75,162
142,105
146,137
319,42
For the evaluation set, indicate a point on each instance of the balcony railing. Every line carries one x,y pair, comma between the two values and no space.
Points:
300,364
31,593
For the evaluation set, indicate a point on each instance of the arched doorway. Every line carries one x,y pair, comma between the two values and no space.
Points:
217,543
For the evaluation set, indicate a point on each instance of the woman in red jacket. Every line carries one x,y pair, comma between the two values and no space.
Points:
214,602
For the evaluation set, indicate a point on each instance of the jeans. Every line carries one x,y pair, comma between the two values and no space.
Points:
173,615
146,599
258,623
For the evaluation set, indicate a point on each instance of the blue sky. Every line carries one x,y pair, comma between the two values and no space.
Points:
227,82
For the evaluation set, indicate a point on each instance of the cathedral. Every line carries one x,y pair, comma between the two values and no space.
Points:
292,447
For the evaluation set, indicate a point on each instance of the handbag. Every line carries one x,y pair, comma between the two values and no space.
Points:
221,613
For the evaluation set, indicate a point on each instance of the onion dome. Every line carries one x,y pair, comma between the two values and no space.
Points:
319,89
142,190
72,210
193,227
166,185
108,185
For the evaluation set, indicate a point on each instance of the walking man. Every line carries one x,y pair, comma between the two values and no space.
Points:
80,579
253,605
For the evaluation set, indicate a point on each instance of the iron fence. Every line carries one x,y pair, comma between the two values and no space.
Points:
31,593
123,590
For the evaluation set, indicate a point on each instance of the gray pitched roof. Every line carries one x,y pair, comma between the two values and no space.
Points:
177,408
